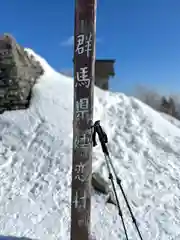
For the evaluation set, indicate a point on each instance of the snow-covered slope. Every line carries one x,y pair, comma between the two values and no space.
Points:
35,165
171,119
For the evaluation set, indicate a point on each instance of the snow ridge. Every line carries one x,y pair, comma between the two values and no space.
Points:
35,165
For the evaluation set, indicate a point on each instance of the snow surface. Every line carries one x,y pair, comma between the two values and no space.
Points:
35,165
171,119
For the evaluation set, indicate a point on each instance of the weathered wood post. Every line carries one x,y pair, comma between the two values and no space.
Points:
84,63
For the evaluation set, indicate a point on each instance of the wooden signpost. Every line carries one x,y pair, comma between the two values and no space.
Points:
84,63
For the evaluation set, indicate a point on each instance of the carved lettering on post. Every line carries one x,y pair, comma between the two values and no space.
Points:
82,77
83,140
84,43
82,108
79,168
80,200
84,63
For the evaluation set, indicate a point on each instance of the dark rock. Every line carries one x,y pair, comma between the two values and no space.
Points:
111,198
18,74
99,183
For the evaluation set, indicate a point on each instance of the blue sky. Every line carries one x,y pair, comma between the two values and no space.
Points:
142,35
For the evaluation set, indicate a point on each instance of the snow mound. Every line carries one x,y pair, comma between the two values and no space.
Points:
35,165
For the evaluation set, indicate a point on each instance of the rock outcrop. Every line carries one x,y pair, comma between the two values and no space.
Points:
18,74
101,186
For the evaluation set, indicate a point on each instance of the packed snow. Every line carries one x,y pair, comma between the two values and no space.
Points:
35,165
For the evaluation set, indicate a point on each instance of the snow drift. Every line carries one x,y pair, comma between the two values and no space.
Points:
35,165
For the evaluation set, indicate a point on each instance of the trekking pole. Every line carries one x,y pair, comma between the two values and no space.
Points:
103,145
118,180
104,140
116,197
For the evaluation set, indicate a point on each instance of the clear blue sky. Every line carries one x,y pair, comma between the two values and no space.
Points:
142,35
